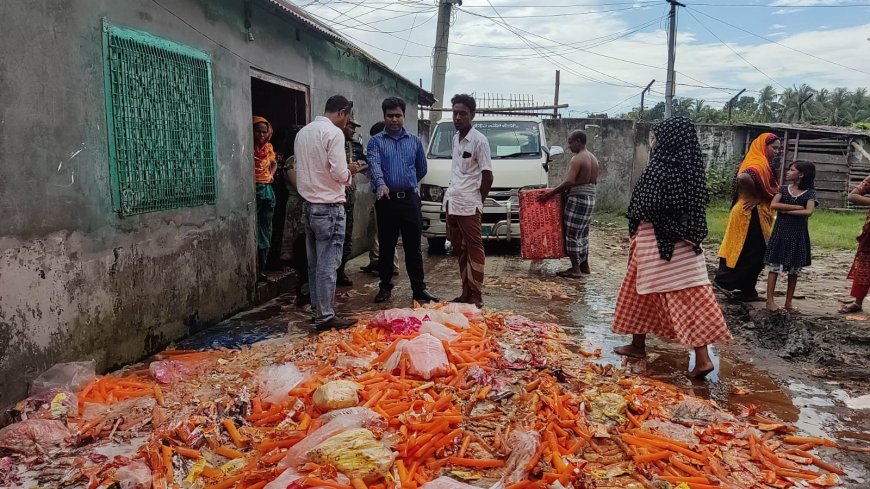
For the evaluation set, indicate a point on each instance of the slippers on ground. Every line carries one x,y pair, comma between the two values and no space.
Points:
567,274
850,309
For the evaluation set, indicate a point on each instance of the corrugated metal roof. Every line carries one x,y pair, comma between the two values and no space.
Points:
288,8
783,126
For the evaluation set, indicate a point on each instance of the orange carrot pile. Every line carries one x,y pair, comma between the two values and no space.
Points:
110,389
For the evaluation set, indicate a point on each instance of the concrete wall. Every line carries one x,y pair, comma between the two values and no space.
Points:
78,281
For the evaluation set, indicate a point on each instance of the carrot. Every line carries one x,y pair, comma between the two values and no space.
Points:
686,468
650,436
212,473
632,419
304,422
386,353
483,392
478,463
666,445
821,463
226,483
237,437
358,483
167,462
805,440
558,461
695,485
652,457
258,485
375,398
257,405
519,485
188,452
464,446
689,480
268,446
349,349
275,458
158,394
228,452
403,472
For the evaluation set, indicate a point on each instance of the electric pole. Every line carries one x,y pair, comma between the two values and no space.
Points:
439,56
732,102
556,98
672,54
642,94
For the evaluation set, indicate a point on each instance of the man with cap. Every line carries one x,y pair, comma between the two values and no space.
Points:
355,153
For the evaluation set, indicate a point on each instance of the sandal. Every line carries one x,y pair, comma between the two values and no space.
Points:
850,309
568,274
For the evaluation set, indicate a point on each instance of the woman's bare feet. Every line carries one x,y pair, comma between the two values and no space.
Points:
850,308
700,371
793,310
630,351
771,306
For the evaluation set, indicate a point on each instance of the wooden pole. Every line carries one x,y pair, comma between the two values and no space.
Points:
556,98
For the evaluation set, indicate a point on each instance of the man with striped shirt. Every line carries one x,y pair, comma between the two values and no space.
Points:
398,162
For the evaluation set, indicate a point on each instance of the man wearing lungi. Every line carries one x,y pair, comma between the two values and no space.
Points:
579,190
470,182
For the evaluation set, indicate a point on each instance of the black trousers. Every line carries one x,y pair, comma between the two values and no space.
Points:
750,264
403,216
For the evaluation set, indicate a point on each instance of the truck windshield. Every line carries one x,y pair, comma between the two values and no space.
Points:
507,139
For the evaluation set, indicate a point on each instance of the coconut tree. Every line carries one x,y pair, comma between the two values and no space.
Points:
791,98
767,105
861,104
841,107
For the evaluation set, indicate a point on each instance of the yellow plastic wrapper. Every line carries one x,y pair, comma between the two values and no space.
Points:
338,394
355,453
608,407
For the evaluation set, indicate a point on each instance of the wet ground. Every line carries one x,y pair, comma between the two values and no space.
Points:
801,385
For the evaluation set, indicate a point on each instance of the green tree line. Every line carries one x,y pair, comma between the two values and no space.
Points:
837,107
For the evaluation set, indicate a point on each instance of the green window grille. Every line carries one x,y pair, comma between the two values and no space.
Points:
160,117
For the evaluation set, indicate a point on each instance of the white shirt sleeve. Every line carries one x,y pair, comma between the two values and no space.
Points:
484,154
337,157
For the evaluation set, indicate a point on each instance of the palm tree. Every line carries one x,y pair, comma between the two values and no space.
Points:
696,109
821,107
861,103
791,99
767,106
683,106
841,107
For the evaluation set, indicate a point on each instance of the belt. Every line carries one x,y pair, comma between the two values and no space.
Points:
404,194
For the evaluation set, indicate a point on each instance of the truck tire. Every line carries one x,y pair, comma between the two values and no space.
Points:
437,246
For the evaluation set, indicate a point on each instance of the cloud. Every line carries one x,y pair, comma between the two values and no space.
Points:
787,11
778,26
806,3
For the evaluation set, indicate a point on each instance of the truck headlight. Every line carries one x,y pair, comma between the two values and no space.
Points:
431,193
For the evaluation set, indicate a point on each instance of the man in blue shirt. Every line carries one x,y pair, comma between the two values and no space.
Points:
398,162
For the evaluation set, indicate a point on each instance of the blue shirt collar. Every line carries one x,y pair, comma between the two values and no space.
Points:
403,133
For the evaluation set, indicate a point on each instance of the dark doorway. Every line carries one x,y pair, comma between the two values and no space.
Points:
285,105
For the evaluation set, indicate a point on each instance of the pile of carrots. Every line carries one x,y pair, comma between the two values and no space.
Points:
461,423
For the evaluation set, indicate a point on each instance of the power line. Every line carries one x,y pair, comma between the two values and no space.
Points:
406,42
734,51
784,45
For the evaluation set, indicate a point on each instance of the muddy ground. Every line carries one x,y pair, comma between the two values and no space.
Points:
806,370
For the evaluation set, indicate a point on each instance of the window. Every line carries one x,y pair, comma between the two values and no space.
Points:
160,118
507,139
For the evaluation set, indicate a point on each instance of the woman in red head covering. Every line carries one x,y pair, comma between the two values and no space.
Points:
265,165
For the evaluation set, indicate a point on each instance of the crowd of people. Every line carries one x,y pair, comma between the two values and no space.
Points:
666,291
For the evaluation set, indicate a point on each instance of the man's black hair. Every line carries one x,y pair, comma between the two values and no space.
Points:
393,103
466,100
376,128
337,103
578,136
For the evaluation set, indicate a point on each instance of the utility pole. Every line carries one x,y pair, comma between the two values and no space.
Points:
801,107
642,95
439,55
672,54
556,98
732,102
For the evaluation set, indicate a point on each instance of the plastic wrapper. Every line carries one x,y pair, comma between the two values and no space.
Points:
697,411
355,453
426,356
53,403
445,482
71,377
523,445
346,361
275,381
673,431
608,407
439,331
470,311
171,371
136,475
334,423
454,319
337,394
34,436
540,226
284,479
398,321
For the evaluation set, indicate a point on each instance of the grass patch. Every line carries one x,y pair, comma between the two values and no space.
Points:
829,230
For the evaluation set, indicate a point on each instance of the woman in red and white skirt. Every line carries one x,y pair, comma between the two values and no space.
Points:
860,271
666,291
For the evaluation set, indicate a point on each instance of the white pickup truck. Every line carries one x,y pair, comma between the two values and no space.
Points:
520,159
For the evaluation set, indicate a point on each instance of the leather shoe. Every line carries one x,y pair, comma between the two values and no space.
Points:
383,296
424,296
335,323
371,267
343,280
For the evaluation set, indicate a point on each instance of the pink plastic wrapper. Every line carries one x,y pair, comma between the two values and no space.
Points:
541,227
171,371
468,310
34,436
426,357
136,475
398,321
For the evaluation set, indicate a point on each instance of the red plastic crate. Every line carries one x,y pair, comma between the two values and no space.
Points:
541,226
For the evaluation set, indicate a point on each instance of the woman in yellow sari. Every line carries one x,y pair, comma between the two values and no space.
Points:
741,255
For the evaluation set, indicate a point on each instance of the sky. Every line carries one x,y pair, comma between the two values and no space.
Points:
609,50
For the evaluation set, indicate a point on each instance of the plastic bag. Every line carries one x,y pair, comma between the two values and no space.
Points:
673,431
523,445
439,316
337,394
71,376
445,482
398,321
439,331
171,371
283,481
608,407
468,310
275,381
355,453
334,423
426,356
51,404
697,411
34,436
136,475
346,361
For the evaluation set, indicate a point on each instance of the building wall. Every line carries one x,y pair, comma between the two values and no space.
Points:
78,281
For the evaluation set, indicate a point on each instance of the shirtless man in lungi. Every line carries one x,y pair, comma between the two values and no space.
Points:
579,190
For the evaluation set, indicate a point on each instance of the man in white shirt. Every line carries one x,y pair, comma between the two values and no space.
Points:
470,182
322,173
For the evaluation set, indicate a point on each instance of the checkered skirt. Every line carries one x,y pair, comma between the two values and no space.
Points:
691,317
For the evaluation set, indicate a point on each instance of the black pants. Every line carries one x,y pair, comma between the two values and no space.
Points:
403,216
750,264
